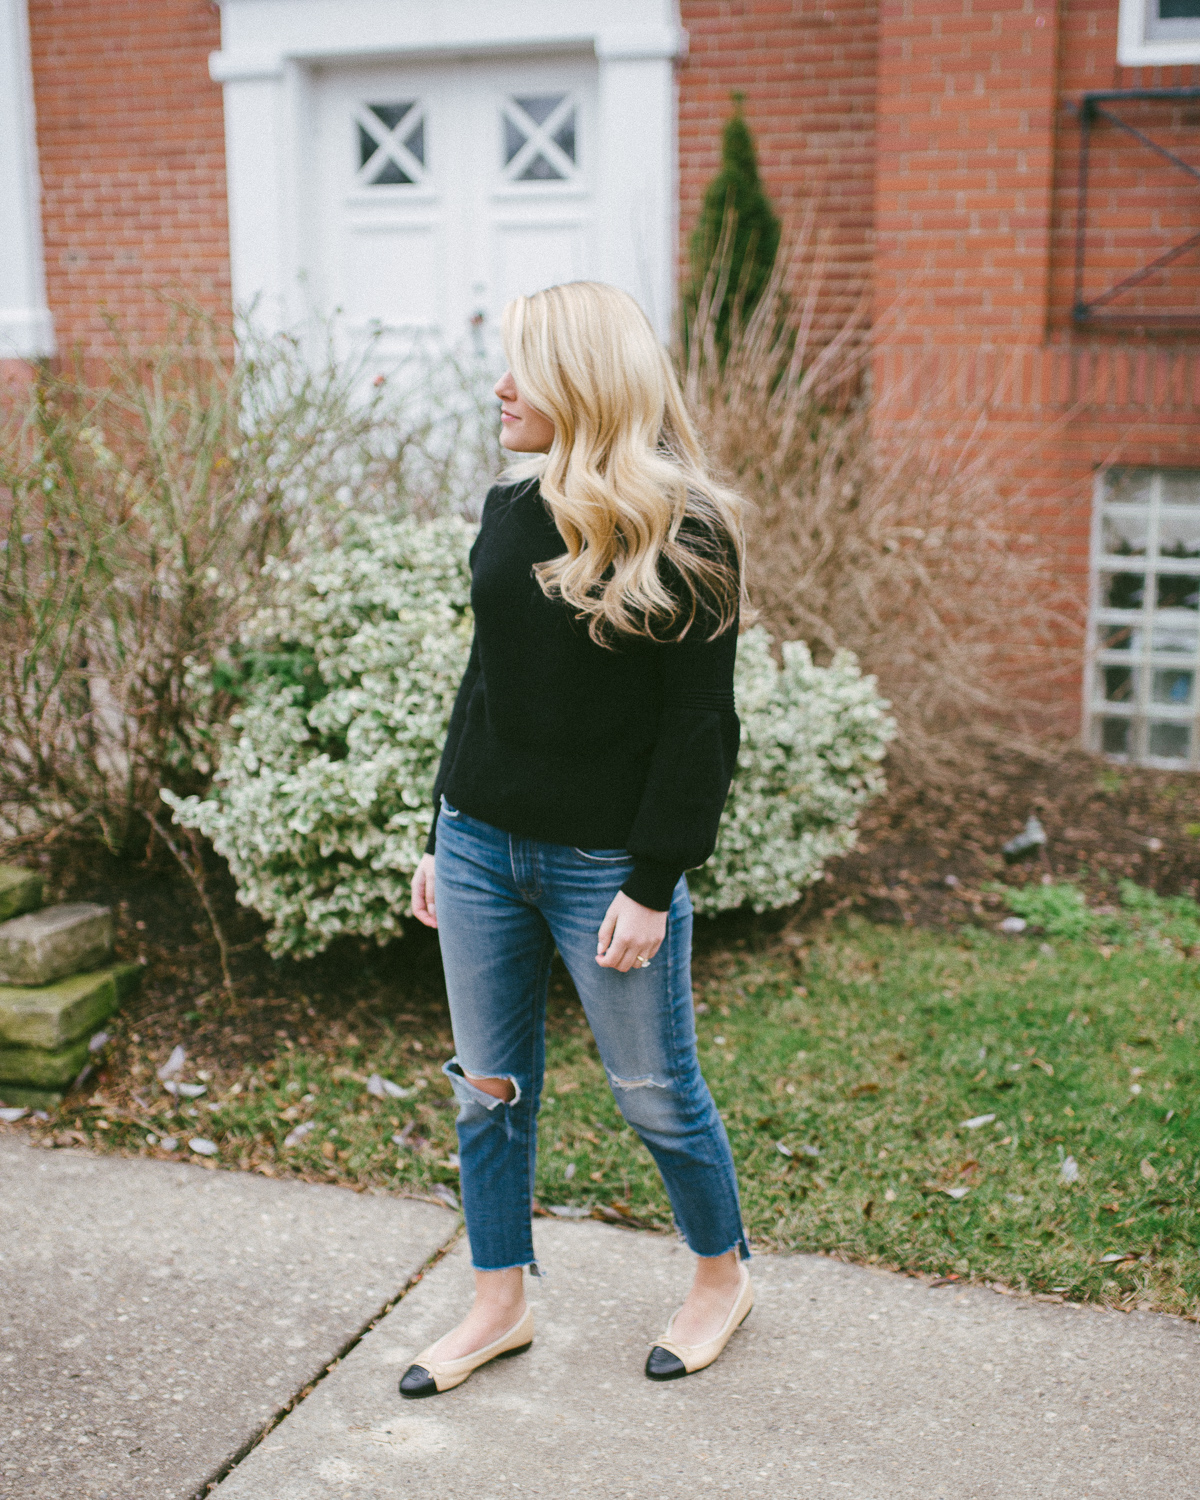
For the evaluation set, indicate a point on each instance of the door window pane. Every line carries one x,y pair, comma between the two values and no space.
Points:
539,137
391,143
539,107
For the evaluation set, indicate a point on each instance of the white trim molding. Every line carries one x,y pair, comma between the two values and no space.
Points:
26,327
1145,41
271,50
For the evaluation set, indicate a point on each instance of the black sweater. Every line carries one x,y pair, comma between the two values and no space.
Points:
554,737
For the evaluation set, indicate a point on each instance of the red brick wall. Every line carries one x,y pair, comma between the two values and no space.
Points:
132,153
807,69
975,213
1138,204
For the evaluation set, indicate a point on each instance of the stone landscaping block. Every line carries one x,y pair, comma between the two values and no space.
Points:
43,946
20,891
15,1094
53,1015
38,1068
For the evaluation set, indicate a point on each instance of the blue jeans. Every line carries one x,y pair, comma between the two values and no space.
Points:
503,905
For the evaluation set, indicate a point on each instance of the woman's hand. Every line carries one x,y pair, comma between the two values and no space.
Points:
629,931
424,904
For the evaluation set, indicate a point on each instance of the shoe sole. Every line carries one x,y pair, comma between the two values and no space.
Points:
508,1354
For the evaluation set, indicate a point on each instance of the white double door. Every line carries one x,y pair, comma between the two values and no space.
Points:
442,190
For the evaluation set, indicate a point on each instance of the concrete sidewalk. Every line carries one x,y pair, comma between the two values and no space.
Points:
154,1317
844,1382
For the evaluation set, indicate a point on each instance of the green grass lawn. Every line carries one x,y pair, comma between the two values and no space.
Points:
856,1076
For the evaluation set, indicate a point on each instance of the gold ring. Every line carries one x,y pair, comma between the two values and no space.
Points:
642,961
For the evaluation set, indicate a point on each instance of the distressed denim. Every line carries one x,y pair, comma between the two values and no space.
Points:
503,905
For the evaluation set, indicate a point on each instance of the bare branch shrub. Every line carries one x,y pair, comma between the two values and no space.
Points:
900,549
136,510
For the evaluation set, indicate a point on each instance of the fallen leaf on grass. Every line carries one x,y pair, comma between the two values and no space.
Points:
294,1137
401,1138
384,1088
99,1041
976,1122
1046,1067
1118,1255
13,1115
618,1213
784,1150
168,1143
568,1211
188,1090
1069,1170
570,1172
443,1194
956,1192
173,1065
860,1089
1148,1172
202,1147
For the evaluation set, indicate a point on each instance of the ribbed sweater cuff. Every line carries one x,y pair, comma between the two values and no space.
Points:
652,884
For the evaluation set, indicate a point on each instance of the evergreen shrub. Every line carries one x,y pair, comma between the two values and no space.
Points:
322,799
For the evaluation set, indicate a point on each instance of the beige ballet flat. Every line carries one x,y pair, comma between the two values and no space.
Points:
671,1361
430,1376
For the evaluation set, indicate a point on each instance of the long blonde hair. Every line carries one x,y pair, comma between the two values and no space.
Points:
626,478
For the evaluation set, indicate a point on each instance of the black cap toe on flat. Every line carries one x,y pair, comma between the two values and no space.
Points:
417,1381
661,1364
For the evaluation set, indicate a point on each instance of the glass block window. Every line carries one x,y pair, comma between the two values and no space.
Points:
539,138
391,143
1144,655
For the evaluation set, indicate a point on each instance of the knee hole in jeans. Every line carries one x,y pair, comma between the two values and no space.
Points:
499,1088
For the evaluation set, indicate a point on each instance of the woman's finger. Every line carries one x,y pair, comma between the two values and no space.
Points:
607,928
423,898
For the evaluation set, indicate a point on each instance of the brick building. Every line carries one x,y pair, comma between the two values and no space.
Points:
1012,185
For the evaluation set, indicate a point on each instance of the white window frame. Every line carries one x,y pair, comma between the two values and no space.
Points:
271,50
1148,627
1144,41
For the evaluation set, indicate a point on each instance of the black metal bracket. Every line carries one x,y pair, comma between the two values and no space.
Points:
1093,311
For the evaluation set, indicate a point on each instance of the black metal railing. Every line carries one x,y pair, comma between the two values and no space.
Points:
1097,310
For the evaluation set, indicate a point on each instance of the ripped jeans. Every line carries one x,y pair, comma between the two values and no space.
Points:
503,905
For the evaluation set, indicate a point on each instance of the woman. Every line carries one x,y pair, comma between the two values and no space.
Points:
588,758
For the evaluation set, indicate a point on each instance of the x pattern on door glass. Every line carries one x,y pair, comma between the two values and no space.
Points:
391,143
540,138
1146,617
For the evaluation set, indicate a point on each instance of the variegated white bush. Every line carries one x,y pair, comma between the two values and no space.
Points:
322,799
813,739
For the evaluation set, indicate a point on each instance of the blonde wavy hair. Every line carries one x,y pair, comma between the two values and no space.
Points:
626,478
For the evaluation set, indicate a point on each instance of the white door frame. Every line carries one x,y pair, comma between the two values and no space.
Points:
270,47
26,328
